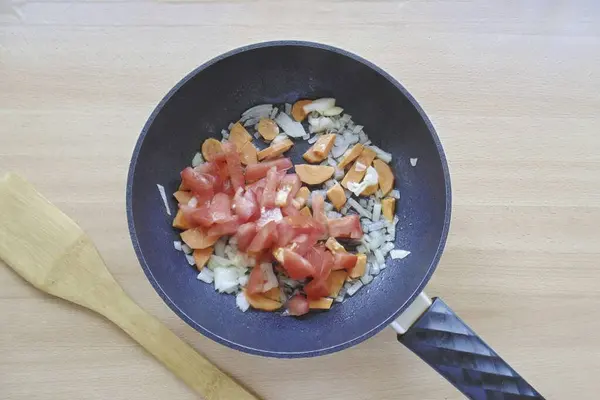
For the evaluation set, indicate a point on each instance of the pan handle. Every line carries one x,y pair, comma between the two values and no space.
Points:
436,334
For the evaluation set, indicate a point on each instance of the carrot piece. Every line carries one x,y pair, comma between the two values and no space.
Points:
320,150
182,196
359,267
388,206
275,150
298,112
239,136
261,302
210,148
306,211
201,257
314,174
337,196
351,156
359,168
249,154
273,294
336,281
385,174
180,222
268,129
197,238
323,303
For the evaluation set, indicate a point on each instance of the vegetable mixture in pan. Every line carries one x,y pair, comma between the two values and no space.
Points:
288,241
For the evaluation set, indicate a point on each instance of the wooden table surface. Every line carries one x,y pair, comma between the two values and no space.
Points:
513,89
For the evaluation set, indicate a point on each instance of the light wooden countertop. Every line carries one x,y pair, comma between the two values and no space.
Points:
513,90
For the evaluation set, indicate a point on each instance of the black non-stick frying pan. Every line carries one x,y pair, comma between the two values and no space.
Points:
213,95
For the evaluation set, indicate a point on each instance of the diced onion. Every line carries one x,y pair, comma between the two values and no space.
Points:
161,190
386,248
371,178
206,275
242,302
361,211
319,105
338,174
186,249
190,259
333,111
215,262
354,288
289,126
376,211
382,155
413,161
399,254
379,256
366,279
219,248
313,139
226,279
177,245
197,160
395,194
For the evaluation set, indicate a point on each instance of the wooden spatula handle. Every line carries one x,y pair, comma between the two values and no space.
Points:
196,371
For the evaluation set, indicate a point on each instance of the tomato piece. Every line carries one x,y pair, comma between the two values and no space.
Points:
285,233
303,243
225,228
199,183
327,265
262,279
346,227
217,211
288,187
270,190
245,205
305,224
271,214
345,261
234,165
259,170
296,266
316,289
244,235
259,184
298,305
265,238
318,210
289,210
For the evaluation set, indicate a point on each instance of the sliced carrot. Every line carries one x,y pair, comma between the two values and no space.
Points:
298,110
369,190
261,302
314,174
201,257
182,196
359,267
385,174
197,238
334,246
180,222
210,148
351,156
239,136
388,206
301,197
337,196
273,294
323,303
359,168
320,150
268,129
248,154
275,150
183,187
336,281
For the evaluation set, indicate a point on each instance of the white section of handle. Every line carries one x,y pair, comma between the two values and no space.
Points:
419,305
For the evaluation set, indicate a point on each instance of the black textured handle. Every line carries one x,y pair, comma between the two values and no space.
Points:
450,347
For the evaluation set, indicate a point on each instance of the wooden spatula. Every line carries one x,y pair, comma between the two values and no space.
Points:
50,251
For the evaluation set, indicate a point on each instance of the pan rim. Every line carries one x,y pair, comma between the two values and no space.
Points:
279,354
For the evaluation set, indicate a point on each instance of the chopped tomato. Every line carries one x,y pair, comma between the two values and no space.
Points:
288,187
318,209
289,210
259,184
298,305
217,211
321,259
345,261
257,280
225,228
245,205
234,165
316,289
265,238
346,227
245,234
305,224
199,183
303,242
271,214
259,170
327,265
270,190
296,266
285,233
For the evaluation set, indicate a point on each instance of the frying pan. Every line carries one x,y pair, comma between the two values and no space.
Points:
216,93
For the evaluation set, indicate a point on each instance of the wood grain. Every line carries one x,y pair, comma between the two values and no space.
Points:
51,252
512,87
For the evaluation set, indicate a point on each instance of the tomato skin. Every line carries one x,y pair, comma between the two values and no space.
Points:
264,239
225,228
199,183
346,227
303,242
298,305
234,165
270,190
345,261
245,234
245,205
318,209
259,170
316,289
285,233
217,211
256,281
321,259
296,266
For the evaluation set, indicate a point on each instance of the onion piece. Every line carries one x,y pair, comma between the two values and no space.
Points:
338,151
242,302
386,248
413,161
399,254
313,139
319,105
161,190
177,245
206,275
186,249
354,288
289,126
371,178
376,211
366,279
333,111
197,160
382,155
226,279
190,259
361,211
395,194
